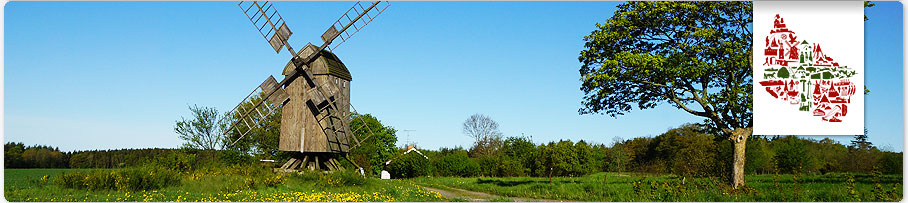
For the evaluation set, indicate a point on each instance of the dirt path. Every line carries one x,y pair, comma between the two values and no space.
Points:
473,196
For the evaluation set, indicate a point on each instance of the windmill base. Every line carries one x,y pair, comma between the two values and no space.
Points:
312,161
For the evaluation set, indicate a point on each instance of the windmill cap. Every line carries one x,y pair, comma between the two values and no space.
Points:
326,64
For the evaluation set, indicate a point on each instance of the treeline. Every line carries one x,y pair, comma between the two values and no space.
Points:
17,155
687,151
517,156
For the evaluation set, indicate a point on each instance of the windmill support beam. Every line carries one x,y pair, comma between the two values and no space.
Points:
313,161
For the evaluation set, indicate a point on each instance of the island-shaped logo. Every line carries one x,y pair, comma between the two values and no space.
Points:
799,73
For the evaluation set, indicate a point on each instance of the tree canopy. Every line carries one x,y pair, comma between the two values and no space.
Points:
374,149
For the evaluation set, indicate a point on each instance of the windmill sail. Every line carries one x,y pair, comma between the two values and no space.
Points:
261,103
268,22
356,17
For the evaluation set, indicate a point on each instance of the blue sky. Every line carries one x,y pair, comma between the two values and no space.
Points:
109,75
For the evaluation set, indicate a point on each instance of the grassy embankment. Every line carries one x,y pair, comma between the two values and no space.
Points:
643,187
206,185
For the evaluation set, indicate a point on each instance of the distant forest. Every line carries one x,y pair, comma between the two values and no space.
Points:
18,155
685,151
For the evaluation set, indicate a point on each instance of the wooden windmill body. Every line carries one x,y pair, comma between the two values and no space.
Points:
313,97
301,128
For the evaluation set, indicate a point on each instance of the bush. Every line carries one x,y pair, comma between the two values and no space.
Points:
237,183
564,158
350,178
455,164
148,178
521,154
891,163
758,156
233,157
688,151
273,181
134,179
490,165
498,165
409,166
71,180
792,155
178,161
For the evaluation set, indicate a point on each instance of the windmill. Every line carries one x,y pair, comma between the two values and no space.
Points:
313,97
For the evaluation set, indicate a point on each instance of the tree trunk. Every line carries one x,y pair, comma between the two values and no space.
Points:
739,140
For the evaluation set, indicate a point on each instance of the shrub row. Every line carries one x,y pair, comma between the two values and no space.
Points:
134,179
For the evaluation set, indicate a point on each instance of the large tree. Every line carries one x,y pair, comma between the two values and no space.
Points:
695,56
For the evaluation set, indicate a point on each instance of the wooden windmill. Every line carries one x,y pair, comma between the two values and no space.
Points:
313,97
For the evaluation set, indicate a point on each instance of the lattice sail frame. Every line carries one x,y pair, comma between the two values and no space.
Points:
365,15
243,118
275,32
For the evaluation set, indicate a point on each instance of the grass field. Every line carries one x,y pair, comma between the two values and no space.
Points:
31,185
38,185
641,187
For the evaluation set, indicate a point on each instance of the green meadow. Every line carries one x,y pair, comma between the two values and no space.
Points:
225,185
40,185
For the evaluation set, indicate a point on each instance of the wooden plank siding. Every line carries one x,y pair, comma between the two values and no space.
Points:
300,128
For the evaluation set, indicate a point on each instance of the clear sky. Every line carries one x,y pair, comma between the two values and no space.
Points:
110,75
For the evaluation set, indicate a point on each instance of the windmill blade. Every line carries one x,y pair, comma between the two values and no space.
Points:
275,92
268,22
341,28
362,125
243,119
363,14
356,17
